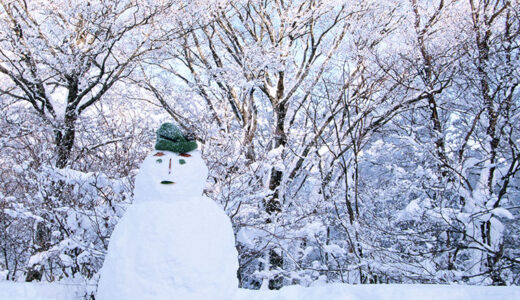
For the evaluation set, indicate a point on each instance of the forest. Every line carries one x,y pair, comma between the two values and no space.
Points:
348,141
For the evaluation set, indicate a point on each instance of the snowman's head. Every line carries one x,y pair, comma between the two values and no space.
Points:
169,176
186,174
174,172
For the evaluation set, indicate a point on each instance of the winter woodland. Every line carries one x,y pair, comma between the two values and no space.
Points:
348,141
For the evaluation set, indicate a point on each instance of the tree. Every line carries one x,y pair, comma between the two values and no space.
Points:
467,80
494,87
60,58
268,70
261,59
59,62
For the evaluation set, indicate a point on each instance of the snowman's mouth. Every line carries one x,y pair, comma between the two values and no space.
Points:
167,182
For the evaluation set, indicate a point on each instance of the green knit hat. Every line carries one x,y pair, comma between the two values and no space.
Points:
171,138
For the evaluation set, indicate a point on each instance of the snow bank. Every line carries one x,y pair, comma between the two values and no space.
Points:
56,291
40,291
384,292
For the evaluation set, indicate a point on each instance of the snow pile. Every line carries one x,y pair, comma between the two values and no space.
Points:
40,291
172,242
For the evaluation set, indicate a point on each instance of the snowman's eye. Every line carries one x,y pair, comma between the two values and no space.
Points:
182,161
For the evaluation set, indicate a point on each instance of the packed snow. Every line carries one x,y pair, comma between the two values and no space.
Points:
188,175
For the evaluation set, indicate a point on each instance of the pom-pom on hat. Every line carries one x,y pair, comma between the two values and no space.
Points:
171,138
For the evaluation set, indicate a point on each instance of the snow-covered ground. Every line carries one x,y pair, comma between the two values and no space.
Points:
57,291
40,291
384,292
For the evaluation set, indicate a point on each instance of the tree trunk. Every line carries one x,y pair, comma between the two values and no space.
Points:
273,205
64,139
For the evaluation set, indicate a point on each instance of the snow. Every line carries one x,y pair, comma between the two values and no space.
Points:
334,249
503,213
189,177
172,240
40,291
249,236
160,249
57,291
383,292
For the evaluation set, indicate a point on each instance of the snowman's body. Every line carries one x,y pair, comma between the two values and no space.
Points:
172,243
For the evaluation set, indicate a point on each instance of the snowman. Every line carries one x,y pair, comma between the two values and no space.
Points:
172,242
